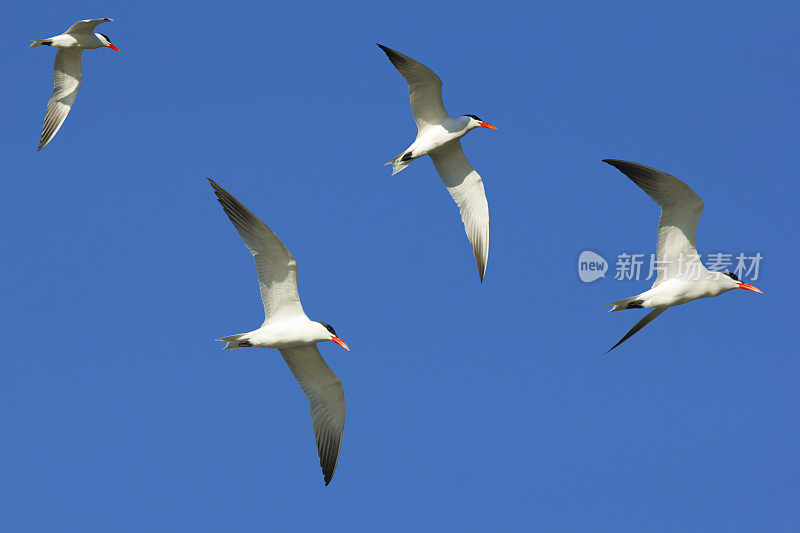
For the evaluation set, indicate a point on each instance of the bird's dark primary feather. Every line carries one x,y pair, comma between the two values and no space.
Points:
649,317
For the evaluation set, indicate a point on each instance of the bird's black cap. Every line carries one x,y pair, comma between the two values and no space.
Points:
733,276
329,328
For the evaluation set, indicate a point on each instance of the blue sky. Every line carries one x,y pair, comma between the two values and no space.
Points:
469,407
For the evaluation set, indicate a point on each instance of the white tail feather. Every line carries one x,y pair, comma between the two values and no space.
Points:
235,341
621,305
398,163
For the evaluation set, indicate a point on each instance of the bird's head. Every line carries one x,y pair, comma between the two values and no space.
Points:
107,42
732,281
330,335
475,122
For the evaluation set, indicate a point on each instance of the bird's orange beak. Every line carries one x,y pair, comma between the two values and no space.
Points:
114,48
487,125
748,287
340,342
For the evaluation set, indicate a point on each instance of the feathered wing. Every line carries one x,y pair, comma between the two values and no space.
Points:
326,399
680,212
86,26
649,317
466,188
277,269
424,88
67,77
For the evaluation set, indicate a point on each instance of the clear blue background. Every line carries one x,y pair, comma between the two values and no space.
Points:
469,407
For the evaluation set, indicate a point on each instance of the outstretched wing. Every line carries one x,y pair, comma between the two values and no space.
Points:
277,269
466,188
326,399
649,317
424,89
86,26
680,212
67,77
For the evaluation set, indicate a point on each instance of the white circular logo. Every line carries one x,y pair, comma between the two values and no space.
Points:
591,266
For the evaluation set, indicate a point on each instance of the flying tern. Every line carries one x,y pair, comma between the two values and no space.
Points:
681,277
439,136
287,328
67,74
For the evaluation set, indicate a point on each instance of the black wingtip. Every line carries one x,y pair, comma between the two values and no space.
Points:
623,166
223,197
327,472
623,339
217,187
627,167
393,55
627,336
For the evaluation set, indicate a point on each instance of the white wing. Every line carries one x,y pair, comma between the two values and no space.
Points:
277,269
326,398
67,76
86,26
466,188
680,212
424,89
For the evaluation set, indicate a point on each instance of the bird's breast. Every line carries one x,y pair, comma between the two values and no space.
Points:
435,138
680,291
283,335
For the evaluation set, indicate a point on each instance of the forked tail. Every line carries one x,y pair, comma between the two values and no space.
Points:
235,341
400,162
626,303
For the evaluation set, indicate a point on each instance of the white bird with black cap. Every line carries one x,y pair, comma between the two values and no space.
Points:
438,136
681,278
67,73
287,328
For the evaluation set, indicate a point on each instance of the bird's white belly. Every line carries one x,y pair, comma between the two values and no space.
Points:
282,335
76,42
679,291
433,139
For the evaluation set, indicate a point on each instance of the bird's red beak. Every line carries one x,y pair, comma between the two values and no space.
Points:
487,125
340,342
748,287
114,48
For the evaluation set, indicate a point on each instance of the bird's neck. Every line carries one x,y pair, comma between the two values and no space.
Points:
458,125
